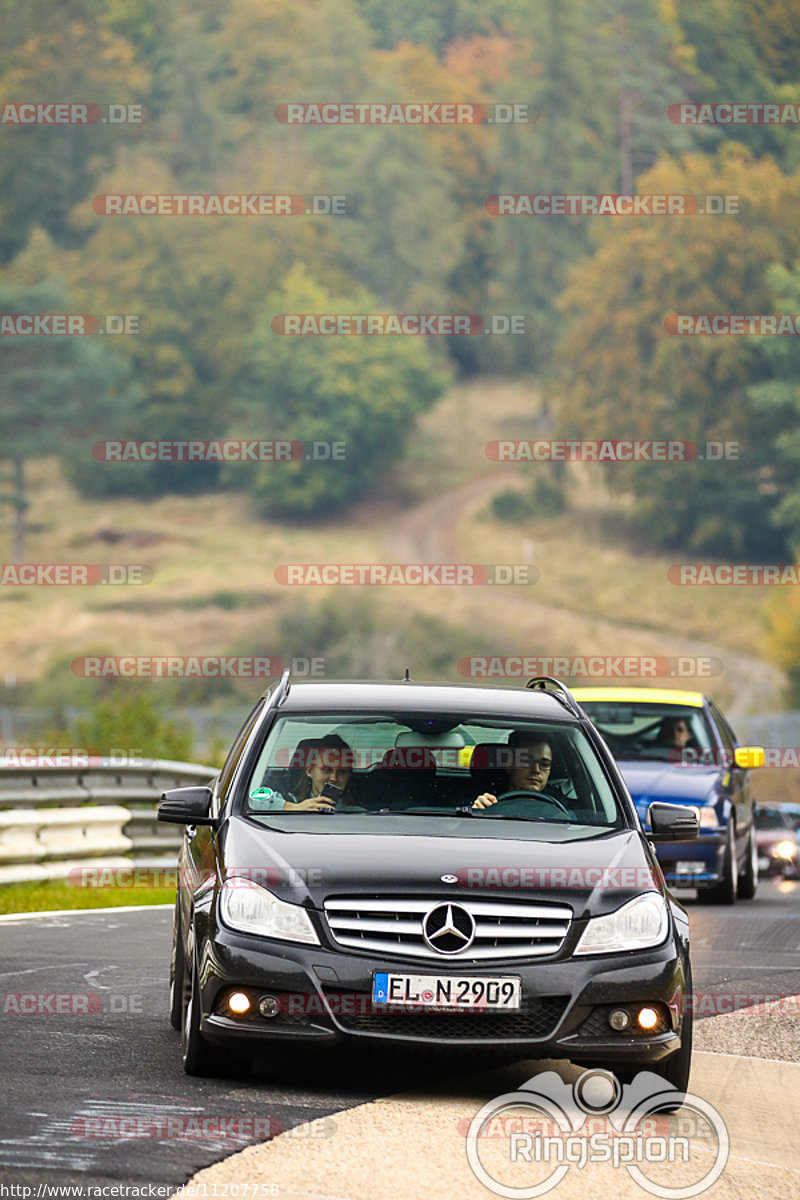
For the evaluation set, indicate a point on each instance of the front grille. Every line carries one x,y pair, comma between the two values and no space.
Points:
504,929
538,1021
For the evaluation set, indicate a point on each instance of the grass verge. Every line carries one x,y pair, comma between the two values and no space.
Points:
46,895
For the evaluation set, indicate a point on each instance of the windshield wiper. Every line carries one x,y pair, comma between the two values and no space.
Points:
422,811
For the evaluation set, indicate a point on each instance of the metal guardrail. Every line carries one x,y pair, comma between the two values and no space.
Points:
54,818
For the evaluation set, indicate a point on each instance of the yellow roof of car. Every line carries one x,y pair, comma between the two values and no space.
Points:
631,695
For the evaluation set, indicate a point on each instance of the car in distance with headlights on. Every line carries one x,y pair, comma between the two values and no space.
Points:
676,747
395,863
778,847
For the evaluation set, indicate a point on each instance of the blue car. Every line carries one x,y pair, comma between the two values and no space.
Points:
677,747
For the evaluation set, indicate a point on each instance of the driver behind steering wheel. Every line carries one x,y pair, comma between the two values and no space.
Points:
530,772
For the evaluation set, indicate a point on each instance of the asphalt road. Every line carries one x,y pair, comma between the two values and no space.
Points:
81,1088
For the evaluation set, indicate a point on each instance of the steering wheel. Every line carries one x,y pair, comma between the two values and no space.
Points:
514,803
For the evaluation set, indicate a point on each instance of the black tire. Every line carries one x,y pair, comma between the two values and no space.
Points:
176,969
677,1067
199,1058
727,890
748,880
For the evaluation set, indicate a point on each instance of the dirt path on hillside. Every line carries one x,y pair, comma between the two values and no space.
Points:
427,534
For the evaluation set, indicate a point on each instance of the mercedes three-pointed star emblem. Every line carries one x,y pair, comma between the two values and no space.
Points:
448,929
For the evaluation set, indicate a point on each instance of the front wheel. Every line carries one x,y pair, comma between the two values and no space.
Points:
199,1057
727,889
676,1069
176,972
748,880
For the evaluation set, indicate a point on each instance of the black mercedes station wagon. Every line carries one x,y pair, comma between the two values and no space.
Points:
427,864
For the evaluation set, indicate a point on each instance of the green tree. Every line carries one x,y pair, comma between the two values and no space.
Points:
361,391
132,720
729,67
777,403
626,376
438,25
53,390
45,170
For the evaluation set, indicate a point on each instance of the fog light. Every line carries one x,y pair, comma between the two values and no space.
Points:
647,1018
239,1003
268,1006
619,1019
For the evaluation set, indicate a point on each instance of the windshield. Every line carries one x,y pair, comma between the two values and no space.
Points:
661,732
430,766
771,818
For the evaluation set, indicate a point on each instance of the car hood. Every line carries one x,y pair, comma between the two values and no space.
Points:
649,781
771,837
592,876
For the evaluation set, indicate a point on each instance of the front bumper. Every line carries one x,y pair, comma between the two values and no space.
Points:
699,864
565,1001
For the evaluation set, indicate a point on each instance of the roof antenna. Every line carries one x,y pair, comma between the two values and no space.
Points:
407,676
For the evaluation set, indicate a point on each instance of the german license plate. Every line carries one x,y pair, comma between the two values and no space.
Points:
447,991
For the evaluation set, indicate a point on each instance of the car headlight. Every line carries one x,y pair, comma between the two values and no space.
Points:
252,909
641,923
784,850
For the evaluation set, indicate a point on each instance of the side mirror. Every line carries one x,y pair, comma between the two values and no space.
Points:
749,757
187,806
673,823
